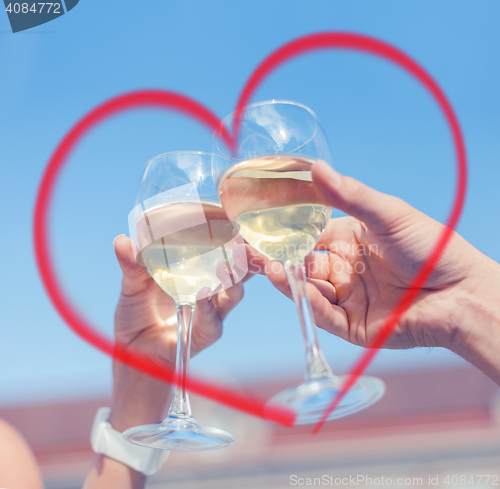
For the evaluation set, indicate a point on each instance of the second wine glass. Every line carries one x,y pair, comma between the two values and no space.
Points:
265,185
184,238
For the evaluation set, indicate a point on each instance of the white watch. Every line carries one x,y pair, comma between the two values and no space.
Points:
107,441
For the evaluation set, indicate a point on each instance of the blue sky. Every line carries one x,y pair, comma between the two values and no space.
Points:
384,129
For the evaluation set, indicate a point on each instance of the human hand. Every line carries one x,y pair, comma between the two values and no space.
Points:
373,258
145,317
145,321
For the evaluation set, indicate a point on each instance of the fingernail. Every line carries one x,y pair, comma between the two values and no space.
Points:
119,236
334,178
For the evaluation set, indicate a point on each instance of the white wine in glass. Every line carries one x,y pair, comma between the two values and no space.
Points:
273,201
187,259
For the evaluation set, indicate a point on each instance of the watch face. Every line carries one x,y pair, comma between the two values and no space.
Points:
27,14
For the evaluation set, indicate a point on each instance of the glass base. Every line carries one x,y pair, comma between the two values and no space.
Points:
178,434
312,398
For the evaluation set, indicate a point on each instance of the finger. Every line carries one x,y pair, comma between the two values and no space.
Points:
135,277
229,296
228,278
339,235
223,274
317,266
275,272
326,289
207,327
328,316
351,296
226,300
256,261
239,269
380,212
322,295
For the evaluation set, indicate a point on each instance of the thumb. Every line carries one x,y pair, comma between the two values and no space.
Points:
135,276
378,211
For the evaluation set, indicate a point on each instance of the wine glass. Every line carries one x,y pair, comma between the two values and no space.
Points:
265,185
183,237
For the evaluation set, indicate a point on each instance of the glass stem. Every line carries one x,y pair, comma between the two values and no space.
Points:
180,407
316,365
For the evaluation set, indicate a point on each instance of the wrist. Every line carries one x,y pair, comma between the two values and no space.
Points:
476,336
137,398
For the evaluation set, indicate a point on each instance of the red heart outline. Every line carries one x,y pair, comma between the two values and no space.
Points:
181,103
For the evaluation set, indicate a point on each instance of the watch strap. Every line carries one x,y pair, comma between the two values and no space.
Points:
107,441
